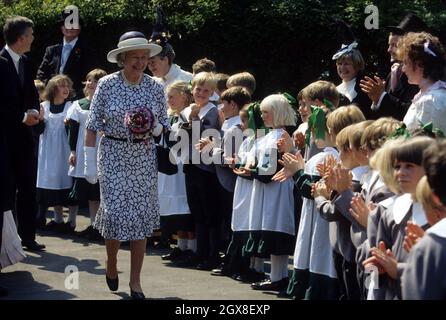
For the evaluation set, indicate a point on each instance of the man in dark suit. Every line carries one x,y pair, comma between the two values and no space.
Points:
70,57
392,98
19,105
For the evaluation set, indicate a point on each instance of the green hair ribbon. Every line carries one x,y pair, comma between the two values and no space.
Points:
317,123
255,120
401,132
430,130
329,104
291,100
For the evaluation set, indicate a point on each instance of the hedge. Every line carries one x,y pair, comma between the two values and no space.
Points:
284,43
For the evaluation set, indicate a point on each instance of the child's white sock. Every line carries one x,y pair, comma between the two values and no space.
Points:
72,214
192,245
58,214
182,244
276,268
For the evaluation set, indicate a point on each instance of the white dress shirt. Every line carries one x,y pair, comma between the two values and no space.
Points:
428,106
175,73
72,43
15,57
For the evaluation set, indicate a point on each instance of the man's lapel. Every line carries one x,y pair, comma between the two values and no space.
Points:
58,56
11,65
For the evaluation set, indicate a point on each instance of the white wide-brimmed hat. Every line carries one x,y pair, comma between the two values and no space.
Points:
133,40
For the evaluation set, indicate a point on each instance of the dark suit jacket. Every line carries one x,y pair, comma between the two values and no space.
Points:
362,100
15,137
395,104
80,61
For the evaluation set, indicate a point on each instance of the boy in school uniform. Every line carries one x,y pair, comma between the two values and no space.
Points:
201,180
233,100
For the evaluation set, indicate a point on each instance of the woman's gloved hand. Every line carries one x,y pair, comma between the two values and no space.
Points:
91,168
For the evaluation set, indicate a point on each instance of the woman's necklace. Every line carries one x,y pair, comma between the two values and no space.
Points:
130,83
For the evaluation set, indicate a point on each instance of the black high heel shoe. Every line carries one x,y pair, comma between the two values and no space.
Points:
113,284
136,295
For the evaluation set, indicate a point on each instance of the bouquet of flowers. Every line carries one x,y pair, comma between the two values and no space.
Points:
139,121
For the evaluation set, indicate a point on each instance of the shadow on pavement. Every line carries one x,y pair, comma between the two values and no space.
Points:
57,263
29,287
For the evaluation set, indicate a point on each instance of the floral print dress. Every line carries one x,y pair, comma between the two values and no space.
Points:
127,170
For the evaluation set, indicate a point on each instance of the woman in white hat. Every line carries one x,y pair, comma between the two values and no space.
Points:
129,107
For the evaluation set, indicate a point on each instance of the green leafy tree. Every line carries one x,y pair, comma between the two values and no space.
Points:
285,43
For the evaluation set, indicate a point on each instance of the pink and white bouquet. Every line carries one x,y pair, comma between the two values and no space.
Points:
139,121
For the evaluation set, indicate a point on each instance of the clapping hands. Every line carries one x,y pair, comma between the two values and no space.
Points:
194,110
324,167
202,143
242,171
299,140
360,211
291,164
285,143
384,259
413,234
336,176
373,87
320,189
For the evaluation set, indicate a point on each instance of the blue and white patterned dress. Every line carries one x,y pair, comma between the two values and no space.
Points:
127,171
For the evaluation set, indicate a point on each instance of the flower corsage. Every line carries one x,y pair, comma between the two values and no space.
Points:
140,122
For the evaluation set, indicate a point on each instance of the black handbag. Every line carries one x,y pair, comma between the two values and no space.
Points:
164,164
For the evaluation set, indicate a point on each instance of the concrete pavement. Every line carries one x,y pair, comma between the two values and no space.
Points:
46,275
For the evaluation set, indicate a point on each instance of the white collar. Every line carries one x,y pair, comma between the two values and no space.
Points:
72,43
366,179
230,122
372,179
214,97
348,89
359,172
15,56
172,73
439,228
379,182
205,110
386,203
418,215
401,207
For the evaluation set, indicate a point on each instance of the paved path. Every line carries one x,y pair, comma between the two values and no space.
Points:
42,275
